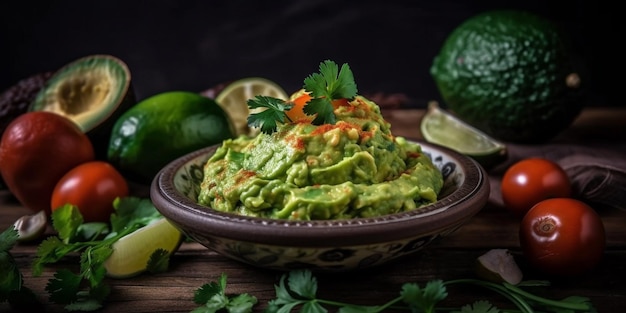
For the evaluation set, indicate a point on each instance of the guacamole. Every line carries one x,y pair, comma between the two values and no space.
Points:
353,168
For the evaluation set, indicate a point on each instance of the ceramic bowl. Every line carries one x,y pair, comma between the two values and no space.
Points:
322,245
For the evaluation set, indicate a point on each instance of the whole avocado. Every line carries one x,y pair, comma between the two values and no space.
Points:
510,74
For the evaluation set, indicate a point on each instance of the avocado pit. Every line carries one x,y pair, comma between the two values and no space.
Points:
91,91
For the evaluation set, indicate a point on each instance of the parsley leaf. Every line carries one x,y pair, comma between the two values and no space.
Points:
274,111
10,276
323,110
296,291
303,283
331,83
86,290
8,239
159,261
66,221
213,298
327,85
480,306
424,299
130,211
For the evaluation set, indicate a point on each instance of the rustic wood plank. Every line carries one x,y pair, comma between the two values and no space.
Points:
450,258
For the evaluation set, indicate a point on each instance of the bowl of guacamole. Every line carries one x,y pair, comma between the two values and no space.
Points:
330,189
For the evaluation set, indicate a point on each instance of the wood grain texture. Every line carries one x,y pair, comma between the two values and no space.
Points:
449,258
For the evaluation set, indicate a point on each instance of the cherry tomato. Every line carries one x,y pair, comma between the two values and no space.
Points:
562,236
92,187
531,180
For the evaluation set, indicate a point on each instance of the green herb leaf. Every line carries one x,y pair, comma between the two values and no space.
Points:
64,287
8,238
303,283
298,288
480,306
328,85
10,275
159,261
274,111
89,239
213,298
50,250
242,303
131,211
203,294
92,263
424,299
92,231
322,109
66,221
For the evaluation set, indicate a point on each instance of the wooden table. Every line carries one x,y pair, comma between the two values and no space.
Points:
450,258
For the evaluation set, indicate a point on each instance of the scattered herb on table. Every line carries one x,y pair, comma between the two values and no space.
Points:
213,298
331,83
297,292
12,289
87,290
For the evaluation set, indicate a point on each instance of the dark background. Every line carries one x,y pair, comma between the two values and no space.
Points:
194,45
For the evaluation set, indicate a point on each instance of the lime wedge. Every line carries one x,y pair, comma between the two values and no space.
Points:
234,100
441,127
132,252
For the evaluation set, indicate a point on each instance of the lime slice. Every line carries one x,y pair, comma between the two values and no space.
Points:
442,128
132,252
234,100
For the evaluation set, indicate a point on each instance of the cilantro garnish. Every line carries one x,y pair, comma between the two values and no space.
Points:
12,287
296,291
212,297
274,112
328,85
331,83
86,290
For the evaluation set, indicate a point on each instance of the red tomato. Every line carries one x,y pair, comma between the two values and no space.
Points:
92,187
562,236
531,180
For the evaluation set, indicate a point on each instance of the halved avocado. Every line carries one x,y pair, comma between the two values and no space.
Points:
93,91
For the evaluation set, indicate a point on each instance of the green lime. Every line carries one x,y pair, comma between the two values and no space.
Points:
234,100
442,128
510,74
132,252
163,127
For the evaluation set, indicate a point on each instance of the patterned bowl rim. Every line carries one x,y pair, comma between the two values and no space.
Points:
448,212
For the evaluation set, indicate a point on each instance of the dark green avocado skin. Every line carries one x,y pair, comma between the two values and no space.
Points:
505,73
75,88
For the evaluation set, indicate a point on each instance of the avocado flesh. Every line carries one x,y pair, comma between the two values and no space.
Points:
92,91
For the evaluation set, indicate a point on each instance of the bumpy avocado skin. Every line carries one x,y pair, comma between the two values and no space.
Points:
505,73
93,91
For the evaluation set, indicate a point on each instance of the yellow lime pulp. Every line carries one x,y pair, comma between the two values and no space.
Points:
132,252
442,128
234,100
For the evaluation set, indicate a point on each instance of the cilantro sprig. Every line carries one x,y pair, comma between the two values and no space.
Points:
212,297
12,289
87,290
297,292
331,83
274,112
328,85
